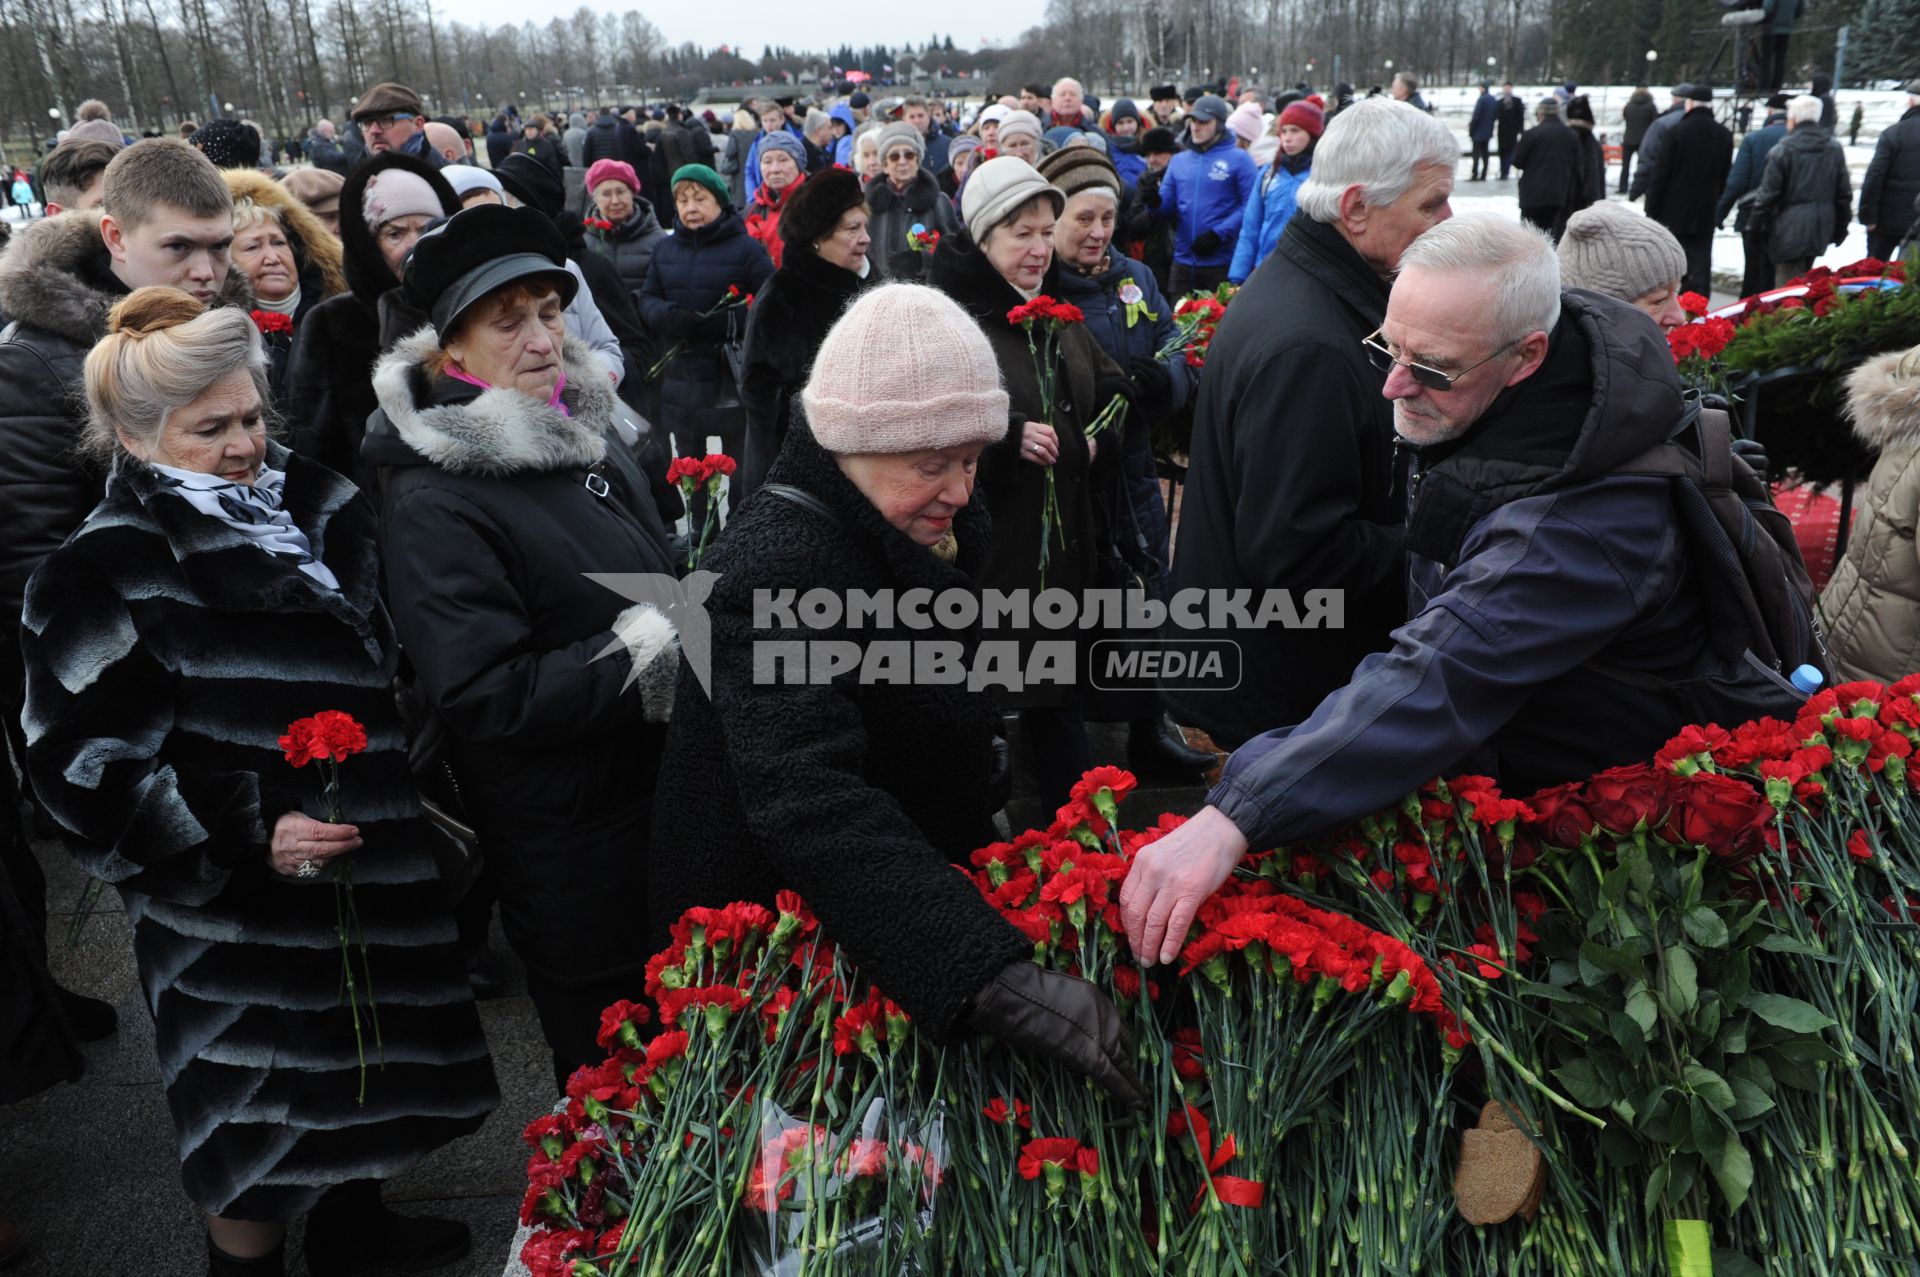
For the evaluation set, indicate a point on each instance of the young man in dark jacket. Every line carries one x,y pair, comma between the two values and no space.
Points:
1292,483
1889,192
1529,563
166,219
1688,175
1486,113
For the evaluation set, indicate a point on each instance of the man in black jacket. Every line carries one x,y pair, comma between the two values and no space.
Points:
1531,561
1548,158
1892,183
1687,180
1291,483
1635,116
167,219
1511,123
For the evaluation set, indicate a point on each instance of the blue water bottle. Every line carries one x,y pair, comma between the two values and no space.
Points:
1807,679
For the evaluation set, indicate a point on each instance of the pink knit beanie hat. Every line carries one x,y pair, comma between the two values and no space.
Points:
904,369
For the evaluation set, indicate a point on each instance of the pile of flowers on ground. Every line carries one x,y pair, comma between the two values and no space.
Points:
1695,980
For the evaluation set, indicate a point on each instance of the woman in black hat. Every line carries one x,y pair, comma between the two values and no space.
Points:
825,229
504,487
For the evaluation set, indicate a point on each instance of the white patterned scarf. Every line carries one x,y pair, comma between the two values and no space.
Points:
255,511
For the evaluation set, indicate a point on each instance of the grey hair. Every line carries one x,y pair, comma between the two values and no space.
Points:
1804,109
1377,145
1067,79
247,211
146,367
1520,257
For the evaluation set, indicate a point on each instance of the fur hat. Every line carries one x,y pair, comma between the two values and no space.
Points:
904,368
1609,248
816,206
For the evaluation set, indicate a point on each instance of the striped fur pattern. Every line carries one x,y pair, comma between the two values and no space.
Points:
165,655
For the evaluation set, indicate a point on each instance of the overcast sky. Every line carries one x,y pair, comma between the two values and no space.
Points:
751,24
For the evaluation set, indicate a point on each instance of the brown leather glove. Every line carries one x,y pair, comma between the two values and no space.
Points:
1064,1018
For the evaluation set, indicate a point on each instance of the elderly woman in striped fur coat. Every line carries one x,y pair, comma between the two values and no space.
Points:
222,589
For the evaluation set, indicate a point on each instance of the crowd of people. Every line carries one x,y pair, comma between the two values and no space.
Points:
283,442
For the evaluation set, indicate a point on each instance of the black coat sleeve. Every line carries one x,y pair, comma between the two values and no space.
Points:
463,623
99,711
1294,485
913,923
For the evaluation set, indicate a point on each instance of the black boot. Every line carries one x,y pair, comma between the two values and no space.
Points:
1155,750
221,1264
351,1231
91,1018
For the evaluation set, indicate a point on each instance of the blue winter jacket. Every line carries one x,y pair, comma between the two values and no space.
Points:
1127,160
1266,214
1486,113
1207,191
843,149
1545,562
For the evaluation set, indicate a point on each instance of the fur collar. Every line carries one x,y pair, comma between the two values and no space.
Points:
498,432
42,284
962,272
919,196
1883,398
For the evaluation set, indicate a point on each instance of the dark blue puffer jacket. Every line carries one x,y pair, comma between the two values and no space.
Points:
690,271
1563,565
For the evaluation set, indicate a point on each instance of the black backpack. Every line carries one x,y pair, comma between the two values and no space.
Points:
1759,599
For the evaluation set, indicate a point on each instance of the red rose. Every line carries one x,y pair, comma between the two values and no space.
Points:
1620,798
1561,815
1717,812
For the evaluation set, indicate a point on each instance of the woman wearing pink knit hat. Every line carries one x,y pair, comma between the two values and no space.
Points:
623,227
862,792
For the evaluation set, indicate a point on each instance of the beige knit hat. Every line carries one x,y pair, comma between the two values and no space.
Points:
1015,123
904,369
996,189
1611,249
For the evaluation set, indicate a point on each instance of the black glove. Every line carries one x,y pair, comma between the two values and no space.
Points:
1155,382
1206,242
1064,1018
1754,453
713,327
681,323
1148,188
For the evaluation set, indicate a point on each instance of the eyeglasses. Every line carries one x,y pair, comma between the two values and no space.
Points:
1432,378
392,120
902,155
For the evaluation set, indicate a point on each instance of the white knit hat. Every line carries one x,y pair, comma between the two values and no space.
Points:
904,369
997,188
1017,123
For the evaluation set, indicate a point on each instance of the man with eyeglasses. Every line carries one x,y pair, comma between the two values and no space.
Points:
1291,479
1554,602
392,118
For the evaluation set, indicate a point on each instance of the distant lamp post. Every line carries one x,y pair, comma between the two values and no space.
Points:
53,112
1389,64
229,107
1652,58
